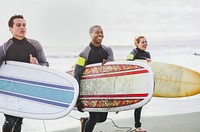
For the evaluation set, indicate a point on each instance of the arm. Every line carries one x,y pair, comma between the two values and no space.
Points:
132,55
110,54
78,72
79,68
148,59
2,54
81,62
41,58
3,50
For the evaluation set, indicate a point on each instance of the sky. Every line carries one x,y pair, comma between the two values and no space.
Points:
66,22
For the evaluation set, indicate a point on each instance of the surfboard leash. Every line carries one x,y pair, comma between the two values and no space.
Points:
45,128
119,127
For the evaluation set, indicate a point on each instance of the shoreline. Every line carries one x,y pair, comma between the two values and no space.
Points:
159,115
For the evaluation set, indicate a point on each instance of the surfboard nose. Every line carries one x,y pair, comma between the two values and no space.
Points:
174,81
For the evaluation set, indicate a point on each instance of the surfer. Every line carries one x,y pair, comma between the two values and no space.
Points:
95,52
19,48
139,53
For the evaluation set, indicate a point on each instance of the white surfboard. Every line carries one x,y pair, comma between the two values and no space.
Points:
34,91
175,81
116,86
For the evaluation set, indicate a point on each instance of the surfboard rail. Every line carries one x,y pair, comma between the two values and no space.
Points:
116,86
174,81
37,92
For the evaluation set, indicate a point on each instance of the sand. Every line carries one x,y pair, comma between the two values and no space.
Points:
159,115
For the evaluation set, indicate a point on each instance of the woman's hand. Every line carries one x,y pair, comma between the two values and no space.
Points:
148,59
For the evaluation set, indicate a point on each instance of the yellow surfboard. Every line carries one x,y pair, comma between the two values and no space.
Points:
174,81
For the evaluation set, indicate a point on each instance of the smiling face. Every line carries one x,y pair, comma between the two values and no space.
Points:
18,29
96,34
141,43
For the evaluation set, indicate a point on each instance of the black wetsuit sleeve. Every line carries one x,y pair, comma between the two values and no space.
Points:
148,55
78,72
2,54
110,54
132,55
80,65
40,52
41,56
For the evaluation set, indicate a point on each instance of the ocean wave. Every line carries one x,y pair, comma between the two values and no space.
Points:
123,51
58,55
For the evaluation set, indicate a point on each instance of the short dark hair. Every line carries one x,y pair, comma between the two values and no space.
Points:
10,22
92,28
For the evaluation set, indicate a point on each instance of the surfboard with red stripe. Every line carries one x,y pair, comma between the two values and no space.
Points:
116,86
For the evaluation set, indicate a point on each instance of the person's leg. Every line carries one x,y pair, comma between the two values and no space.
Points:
18,125
91,122
88,125
102,116
137,115
83,121
10,122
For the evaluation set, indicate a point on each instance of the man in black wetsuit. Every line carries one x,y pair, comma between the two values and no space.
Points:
19,48
95,52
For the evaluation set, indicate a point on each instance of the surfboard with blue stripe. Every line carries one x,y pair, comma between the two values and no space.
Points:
34,91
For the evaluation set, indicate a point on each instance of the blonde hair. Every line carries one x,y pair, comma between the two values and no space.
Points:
137,40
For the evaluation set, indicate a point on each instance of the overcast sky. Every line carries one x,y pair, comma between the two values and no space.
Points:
66,22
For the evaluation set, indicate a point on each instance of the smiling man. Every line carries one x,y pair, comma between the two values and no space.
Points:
95,52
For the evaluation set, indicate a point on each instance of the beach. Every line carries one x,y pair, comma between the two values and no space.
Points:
170,27
187,122
159,115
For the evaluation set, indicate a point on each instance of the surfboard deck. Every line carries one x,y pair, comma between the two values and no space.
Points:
37,92
116,86
174,81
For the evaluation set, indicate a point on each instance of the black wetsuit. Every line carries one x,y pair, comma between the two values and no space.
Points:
19,50
138,54
92,55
